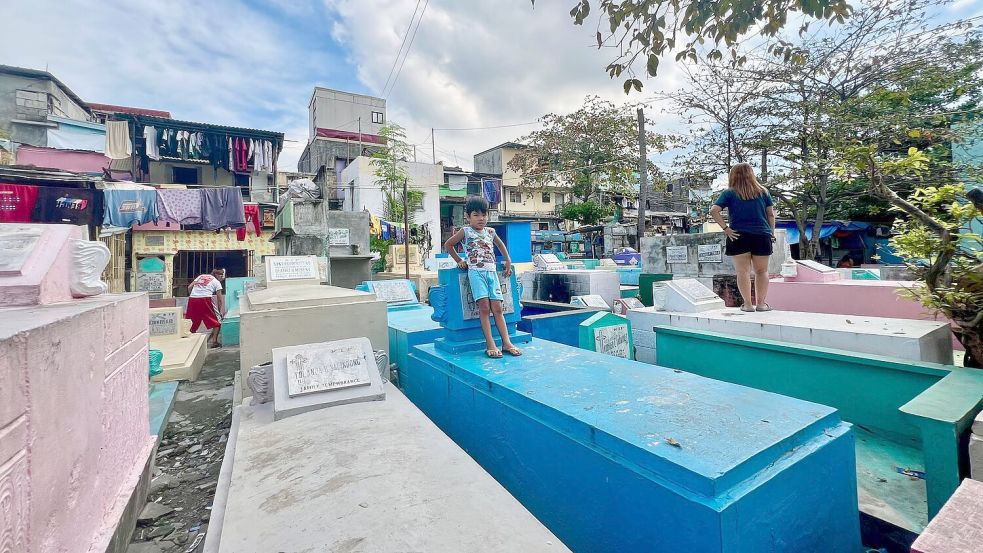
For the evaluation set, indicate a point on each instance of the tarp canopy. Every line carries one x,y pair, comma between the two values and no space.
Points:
792,230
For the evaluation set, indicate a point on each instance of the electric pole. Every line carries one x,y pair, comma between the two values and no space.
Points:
643,179
433,146
406,232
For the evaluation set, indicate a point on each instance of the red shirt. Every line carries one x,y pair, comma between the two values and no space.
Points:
17,202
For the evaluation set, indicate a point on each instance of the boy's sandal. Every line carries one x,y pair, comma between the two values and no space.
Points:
514,351
493,353
765,308
747,308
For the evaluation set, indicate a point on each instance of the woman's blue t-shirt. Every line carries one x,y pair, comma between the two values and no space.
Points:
748,216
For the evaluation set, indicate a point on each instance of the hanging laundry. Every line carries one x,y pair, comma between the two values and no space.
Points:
241,146
180,207
17,202
259,164
125,207
251,213
222,207
77,206
268,155
118,145
491,190
150,140
232,164
385,233
375,226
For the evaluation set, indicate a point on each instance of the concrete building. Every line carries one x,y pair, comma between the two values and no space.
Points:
362,191
342,126
28,97
540,205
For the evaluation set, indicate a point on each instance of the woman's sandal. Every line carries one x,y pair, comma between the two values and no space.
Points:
765,308
747,308
493,353
514,351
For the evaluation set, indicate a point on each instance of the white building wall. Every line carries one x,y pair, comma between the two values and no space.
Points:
363,192
334,109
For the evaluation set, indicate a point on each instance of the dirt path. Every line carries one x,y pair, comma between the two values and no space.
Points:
188,461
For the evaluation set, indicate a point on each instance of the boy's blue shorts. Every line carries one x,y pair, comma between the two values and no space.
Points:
485,284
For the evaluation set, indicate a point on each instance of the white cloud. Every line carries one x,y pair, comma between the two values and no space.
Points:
479,64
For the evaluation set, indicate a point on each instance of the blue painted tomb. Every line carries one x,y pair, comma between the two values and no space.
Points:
616,455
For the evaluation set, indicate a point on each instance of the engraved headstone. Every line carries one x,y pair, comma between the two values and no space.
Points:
608,262
164,322
709,253
547,262
677,254
623,305
315,376
393,291
816,266
151,282
590,300
327,368
688,295
16,245
607,333
470,307
339,237
292,267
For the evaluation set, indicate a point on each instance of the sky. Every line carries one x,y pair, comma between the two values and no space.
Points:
255,63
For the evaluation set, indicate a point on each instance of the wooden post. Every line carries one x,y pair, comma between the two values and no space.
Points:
406,231
643,180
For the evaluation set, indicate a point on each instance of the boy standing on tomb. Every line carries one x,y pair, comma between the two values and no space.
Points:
479,250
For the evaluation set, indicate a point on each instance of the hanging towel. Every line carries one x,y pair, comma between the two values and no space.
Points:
17,202
128,207
375,226
251,212
118,145
221,207
150,138
491,191
181,207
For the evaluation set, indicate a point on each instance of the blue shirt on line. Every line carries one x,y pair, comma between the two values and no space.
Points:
748,216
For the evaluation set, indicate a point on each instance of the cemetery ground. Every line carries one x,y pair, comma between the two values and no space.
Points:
188,461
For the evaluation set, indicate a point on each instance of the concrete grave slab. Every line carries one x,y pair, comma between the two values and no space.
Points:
686,295
547,262
813,271
396,291
561,286
926,341
315,376
435,498
184,352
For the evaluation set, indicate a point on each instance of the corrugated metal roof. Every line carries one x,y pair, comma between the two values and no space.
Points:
135,111
276,137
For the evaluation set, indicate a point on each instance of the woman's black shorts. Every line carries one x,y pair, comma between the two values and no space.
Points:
755,244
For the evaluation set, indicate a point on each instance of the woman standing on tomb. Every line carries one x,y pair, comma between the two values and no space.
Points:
750,234
201,308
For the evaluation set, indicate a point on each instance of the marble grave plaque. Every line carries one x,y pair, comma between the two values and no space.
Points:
151,282
393,291
470,307
326,367
591,300
339,237
677,254
16,245
164,323
292,267
694,289
816,266
612,340
709,253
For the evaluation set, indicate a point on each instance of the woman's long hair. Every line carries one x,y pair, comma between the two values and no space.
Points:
743,182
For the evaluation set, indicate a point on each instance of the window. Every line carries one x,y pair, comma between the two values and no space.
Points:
515,196
546,197
242,181
184,175
378,117
544,226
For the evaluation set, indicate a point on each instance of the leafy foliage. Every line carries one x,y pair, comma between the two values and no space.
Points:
390,172
591,151
586,213
646,30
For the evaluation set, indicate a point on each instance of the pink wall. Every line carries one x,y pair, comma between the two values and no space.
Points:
870,298
74,429
78,161
46,275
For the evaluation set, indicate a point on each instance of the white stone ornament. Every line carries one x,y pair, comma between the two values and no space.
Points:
89,260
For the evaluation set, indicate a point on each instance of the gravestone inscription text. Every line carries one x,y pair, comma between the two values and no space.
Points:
292,267
325,368
612,340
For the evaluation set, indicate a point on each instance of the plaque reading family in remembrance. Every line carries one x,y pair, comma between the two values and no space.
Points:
326,368
612,340
293,267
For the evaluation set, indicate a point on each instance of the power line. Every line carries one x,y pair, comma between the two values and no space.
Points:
398,52
408,48
486,128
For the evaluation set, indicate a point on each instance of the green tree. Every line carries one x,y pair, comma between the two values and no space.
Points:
390,172
647,30
948,260
592,151
586,213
